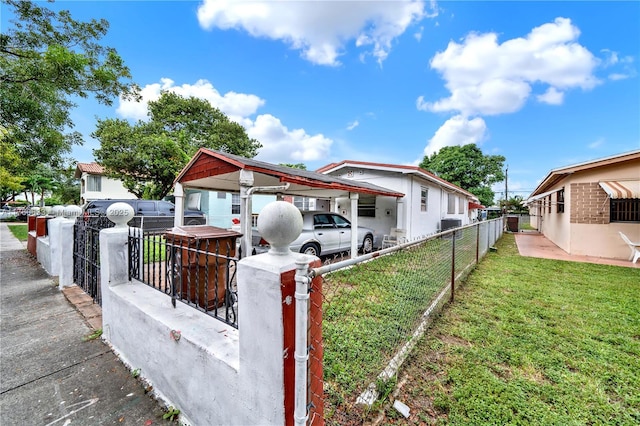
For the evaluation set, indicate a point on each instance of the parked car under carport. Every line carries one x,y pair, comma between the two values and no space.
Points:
325,233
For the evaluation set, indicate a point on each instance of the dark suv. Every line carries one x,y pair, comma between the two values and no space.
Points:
151,214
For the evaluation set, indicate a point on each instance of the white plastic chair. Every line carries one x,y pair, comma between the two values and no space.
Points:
635,248
396,236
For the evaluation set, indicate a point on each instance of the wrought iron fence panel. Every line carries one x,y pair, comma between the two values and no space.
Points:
86,253
198,273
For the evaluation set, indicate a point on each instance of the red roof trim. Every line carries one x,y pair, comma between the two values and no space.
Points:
194,170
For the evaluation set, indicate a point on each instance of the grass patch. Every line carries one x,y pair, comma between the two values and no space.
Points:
531,341
154,248
371,310
20,231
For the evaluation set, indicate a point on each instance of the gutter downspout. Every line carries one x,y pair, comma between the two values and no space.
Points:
301,353
246,243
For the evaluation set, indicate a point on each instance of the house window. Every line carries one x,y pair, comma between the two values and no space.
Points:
625,210
94,183
424,198
560,199
549,205
235,203
302,203
367,207
451,204
461,205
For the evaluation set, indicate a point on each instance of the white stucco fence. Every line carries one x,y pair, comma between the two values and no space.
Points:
213,373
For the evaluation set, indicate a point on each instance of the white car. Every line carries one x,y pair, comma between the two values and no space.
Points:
326,233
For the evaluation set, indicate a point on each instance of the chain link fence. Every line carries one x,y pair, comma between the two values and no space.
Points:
375,309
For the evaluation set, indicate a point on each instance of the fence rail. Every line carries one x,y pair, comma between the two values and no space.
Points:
199,273
376,307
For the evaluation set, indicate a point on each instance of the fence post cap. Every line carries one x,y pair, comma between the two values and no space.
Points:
280,223
70,212
120,214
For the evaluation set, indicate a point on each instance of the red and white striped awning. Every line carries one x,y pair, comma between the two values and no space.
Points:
621,188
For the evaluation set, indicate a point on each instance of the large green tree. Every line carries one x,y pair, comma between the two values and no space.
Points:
46,59
148,155
10,178
467,167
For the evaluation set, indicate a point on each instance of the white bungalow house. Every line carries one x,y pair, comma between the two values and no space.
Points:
94,185
430,204
582,208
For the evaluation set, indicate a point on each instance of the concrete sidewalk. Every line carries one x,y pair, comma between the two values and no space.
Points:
49,374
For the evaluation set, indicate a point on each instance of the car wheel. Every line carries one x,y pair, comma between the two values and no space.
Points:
367,244
311,249
193,222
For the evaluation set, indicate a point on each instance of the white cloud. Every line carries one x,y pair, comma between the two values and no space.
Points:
418,34
552,97
620,76
235,105
457,130
280,145
488,78
353,125
319,29
595,144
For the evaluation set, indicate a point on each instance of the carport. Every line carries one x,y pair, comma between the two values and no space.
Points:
219,171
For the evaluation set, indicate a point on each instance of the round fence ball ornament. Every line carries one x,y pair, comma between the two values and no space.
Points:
71,212
120,214
280,223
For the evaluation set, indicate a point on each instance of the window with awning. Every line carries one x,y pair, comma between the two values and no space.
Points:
624,198
621,188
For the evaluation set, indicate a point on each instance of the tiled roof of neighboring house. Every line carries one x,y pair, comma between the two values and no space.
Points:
92,168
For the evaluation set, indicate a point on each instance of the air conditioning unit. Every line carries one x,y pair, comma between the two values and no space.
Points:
446,224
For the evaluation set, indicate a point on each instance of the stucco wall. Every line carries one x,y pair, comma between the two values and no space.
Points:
603,240
110,188
405,213
213,373
585,228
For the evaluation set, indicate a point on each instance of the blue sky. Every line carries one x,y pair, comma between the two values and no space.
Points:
546,84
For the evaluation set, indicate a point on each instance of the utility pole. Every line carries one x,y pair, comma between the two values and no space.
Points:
506,188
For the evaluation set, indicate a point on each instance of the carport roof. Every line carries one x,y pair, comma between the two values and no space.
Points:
220,171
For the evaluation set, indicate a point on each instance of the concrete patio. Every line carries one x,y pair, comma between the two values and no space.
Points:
534,244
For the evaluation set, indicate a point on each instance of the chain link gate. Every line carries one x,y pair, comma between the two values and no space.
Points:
86,253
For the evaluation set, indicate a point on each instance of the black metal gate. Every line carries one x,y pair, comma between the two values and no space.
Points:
86,253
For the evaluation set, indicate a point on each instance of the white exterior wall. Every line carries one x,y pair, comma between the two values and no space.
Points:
404,213
111,188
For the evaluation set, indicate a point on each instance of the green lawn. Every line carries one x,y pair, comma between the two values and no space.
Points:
530,341
20,231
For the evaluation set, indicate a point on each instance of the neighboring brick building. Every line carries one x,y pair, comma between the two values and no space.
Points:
581,208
